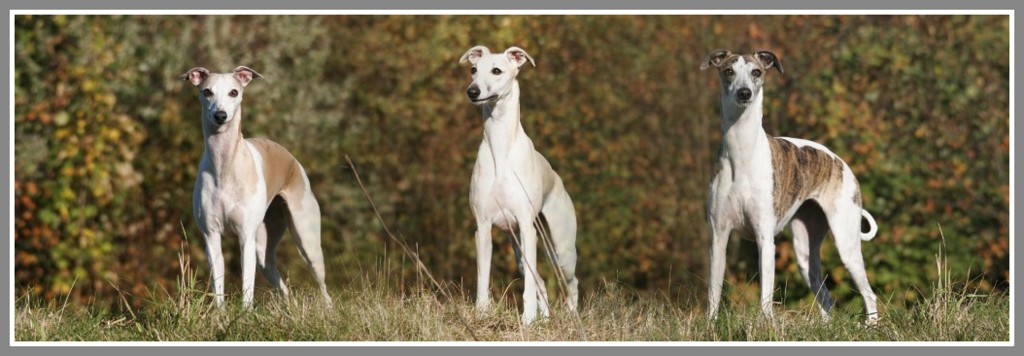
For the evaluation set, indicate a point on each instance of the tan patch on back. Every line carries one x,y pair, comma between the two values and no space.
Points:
802,173
280,169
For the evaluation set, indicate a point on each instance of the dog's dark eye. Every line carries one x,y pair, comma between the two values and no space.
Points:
472,70
729,72
756,72
496,71
207,92
233,93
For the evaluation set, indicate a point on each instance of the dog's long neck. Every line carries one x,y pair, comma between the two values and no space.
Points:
225,147
502,127
743,134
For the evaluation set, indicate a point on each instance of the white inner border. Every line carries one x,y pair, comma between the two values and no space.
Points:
15,343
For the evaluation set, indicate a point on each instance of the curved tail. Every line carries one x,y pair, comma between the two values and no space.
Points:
873,227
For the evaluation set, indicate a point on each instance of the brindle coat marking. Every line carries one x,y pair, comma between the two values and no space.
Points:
802,173
724,59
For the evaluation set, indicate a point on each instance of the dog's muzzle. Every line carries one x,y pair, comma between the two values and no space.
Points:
744,95
474,95
220,117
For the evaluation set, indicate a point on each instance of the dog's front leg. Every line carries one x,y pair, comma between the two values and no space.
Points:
531,279
483,265
766,247
716,271
248,245
215,258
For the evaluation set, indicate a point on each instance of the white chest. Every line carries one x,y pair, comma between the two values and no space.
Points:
503,197
498,202
742,188
227,203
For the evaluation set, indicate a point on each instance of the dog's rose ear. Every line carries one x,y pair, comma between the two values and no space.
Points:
474,54
714,59
195,75
518,56
245,75
769,60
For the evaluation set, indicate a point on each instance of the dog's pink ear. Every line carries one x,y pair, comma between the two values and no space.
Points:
245,75
768,60
195,75
715,58
474,54
518,56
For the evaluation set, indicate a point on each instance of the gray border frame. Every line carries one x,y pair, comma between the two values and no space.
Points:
470,349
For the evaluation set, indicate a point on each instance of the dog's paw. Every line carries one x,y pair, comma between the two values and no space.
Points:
528,319
871,322
482,309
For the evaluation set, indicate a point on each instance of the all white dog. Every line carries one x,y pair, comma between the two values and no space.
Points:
252,189
761,183
513,184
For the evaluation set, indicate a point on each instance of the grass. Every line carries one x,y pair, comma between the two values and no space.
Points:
372,309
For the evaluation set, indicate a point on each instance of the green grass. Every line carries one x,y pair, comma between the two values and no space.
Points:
369,310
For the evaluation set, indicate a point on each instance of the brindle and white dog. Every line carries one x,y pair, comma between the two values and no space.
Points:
761,183
252,189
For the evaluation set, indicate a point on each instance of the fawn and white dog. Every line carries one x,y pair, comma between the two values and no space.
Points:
252,189
761,183
513,184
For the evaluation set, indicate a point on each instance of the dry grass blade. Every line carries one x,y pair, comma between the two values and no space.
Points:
408,251
67,298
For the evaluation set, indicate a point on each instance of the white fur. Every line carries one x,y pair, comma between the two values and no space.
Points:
512,184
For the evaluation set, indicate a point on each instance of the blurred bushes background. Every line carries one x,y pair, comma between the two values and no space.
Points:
107,141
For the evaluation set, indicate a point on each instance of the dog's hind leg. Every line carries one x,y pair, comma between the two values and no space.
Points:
268,238
304,215
845,223
561,218
809,227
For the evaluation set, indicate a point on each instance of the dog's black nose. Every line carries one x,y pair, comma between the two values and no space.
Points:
744,94
220,117
473,92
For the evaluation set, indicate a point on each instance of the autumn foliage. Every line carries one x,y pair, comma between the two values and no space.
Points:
107,141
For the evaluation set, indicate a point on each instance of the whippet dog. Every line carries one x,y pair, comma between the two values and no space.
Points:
761,183
252,189
512,184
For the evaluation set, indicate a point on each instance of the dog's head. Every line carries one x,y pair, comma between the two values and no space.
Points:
493,74
742,75
220,93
